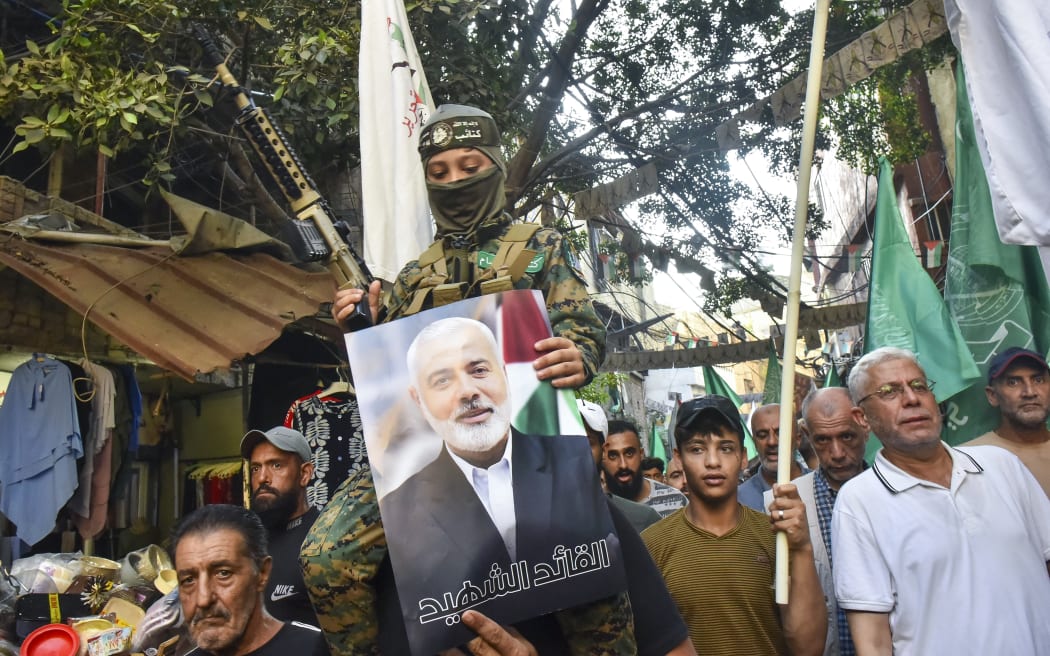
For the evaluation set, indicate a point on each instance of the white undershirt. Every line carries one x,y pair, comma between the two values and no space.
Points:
495,488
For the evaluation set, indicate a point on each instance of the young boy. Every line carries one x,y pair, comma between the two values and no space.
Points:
718,556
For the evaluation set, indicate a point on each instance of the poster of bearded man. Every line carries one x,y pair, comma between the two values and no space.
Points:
487,488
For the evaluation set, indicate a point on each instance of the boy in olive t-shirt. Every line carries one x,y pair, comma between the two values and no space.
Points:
717,556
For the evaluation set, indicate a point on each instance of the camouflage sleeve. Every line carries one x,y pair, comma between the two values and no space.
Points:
401,293
340,557
601,628
568,304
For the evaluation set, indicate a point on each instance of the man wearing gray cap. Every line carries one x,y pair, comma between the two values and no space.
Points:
280,466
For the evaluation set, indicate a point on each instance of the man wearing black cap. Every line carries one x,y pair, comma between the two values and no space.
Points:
718,556
280,466
1019,385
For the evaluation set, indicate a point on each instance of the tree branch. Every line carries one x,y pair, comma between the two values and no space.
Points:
558,76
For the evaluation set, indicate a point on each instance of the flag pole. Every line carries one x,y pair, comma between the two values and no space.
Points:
787,383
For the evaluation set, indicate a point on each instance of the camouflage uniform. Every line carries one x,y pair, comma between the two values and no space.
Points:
340,557
552,272
343,551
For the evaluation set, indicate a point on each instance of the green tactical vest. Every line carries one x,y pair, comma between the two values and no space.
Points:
500,270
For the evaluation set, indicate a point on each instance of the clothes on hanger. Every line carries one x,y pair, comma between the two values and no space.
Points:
332,427
83,390
40,441
122,458
99,432
212,482
134,395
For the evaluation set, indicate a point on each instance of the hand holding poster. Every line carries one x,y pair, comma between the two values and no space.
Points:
479,514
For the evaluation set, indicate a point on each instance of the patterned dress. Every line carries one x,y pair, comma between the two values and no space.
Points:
332,427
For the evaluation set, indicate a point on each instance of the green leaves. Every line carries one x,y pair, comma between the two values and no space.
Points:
35,130
84,88
643,82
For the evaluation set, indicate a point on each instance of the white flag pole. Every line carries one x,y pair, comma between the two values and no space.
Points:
787,382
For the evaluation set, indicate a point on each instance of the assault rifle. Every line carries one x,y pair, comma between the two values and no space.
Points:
311,232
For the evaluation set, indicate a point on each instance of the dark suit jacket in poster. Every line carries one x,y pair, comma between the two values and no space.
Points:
439,535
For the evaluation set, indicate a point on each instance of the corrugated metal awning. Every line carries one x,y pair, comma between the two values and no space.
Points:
187,314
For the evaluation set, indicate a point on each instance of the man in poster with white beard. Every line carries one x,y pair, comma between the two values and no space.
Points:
493,495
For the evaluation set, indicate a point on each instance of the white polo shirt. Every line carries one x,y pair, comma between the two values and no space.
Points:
960,570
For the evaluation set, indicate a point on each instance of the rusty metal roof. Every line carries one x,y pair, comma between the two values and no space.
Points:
187,314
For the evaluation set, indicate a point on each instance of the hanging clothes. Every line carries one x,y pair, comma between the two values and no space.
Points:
134,395
40,441
83,388
95,440
332,427
213,482
121,460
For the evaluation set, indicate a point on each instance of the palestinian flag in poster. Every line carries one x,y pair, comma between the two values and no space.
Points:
481,510
537,408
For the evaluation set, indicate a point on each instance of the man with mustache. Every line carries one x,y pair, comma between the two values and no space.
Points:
622,463
222,565
596,425
676,475
493,495
280,466
765,431
1019,385
937,550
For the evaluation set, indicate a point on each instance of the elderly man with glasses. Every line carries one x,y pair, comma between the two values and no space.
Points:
938,550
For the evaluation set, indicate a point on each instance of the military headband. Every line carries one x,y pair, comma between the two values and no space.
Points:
458,132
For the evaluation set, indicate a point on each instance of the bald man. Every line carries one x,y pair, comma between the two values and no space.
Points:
839,441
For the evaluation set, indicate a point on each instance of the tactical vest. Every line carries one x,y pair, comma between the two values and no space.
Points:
499,271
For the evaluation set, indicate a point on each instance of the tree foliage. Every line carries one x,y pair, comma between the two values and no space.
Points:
584,92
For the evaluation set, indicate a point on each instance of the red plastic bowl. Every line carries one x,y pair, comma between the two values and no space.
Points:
52,640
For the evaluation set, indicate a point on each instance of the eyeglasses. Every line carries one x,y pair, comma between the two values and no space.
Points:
891,391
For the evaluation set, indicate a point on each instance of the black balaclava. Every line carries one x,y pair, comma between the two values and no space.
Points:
461,207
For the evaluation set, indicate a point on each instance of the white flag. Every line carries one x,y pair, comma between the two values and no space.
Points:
395,102
1006,48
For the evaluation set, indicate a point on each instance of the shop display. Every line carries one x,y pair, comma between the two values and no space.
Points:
69,432
41,442
77,605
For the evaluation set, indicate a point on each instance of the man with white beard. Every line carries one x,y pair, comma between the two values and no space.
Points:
493,495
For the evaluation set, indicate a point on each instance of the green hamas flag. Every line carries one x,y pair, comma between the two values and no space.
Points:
997,293
771,391
833,379
714,384
905,309
657,447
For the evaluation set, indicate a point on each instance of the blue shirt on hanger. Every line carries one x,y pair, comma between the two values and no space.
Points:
40,440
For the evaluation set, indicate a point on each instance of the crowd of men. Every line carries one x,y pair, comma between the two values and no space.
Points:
924,549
